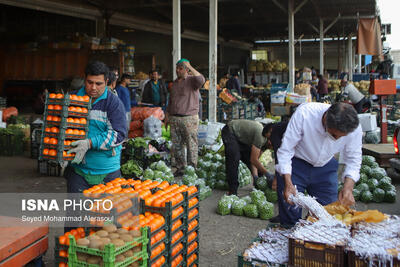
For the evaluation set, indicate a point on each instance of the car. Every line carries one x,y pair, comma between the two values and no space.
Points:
394,171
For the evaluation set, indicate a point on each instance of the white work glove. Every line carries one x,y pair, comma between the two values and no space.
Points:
80,148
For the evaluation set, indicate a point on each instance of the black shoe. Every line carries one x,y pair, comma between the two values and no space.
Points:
275,219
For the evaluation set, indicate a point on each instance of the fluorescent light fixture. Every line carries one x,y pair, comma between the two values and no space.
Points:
302,40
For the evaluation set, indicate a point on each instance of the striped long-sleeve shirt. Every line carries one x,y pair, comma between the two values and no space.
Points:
107,131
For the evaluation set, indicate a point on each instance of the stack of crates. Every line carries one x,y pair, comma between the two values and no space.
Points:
3,102
228,112
181,247
110,253
65,121
204,103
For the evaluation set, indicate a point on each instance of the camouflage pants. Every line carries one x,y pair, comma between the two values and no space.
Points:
184,135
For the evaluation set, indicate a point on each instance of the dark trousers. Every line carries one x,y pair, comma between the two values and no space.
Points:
320,182
360,105
76,183
234,152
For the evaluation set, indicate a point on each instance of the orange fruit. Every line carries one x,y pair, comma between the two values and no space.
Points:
76,131
49,118
57,107
70,120
77,120
69,131
48,130
81,132
52,152
72,109
86,98
80,98
52,95
45,151
74,97
82,121
78,109
50,107
46,140
59,96
84,110
55,130
56,118
53,141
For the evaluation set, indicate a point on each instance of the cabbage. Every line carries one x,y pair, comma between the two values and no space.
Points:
212,175
207,166
221,176
237,207
211,183
205,192
271,195
200,182
201,174
250,210
247,199
214,167
200,164
153,166
161,166
217,157
221,185
262,183
189,170
188,179
208,156
148,174
158,174
224,205
265,210
257,196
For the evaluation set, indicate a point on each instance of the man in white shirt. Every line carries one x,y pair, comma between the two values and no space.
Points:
315,133
356,97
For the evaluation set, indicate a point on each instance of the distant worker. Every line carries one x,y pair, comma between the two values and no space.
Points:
154,91
322,87
356,97
234,84
124,95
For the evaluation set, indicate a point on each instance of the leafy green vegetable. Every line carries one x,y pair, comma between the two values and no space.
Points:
237,207
224,206
356,194
257,196
262,183
265,210
211,183
148,174
378,195
188,179
362,187
271,195
131,168
205,192
189,170
247,199
365,169
368,160
363,178
366,196
377,173
250,210
372,184
390,196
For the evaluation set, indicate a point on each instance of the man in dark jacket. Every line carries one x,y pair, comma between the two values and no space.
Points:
155,91
322,86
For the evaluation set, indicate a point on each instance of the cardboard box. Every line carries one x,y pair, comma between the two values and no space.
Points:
279,110
383,87
368,122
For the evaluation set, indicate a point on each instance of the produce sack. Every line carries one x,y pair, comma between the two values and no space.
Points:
152,127
213,130
142,113
135,133
135,125
202,134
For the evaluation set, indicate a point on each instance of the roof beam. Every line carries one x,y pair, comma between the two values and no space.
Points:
299,6
332,23
118,19
278,4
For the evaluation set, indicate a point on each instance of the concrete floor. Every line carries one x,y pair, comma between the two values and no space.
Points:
221,237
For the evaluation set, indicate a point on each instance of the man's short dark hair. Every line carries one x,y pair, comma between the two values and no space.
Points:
342,117
154,71
267,128
111,78
97,68
125,76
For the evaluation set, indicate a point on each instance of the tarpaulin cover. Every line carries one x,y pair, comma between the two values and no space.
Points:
369,37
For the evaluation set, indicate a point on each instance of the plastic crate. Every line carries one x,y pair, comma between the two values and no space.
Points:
48,168
310,254
11,144
355,261
110,252
276,87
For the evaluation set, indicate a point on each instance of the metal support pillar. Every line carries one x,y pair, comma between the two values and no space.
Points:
212,57
384,121
321,46
359,63
350,57
291,44
176,34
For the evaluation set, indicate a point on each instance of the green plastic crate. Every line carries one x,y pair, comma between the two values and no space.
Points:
110,252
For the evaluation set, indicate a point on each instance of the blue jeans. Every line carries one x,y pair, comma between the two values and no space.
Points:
320,182
76,183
